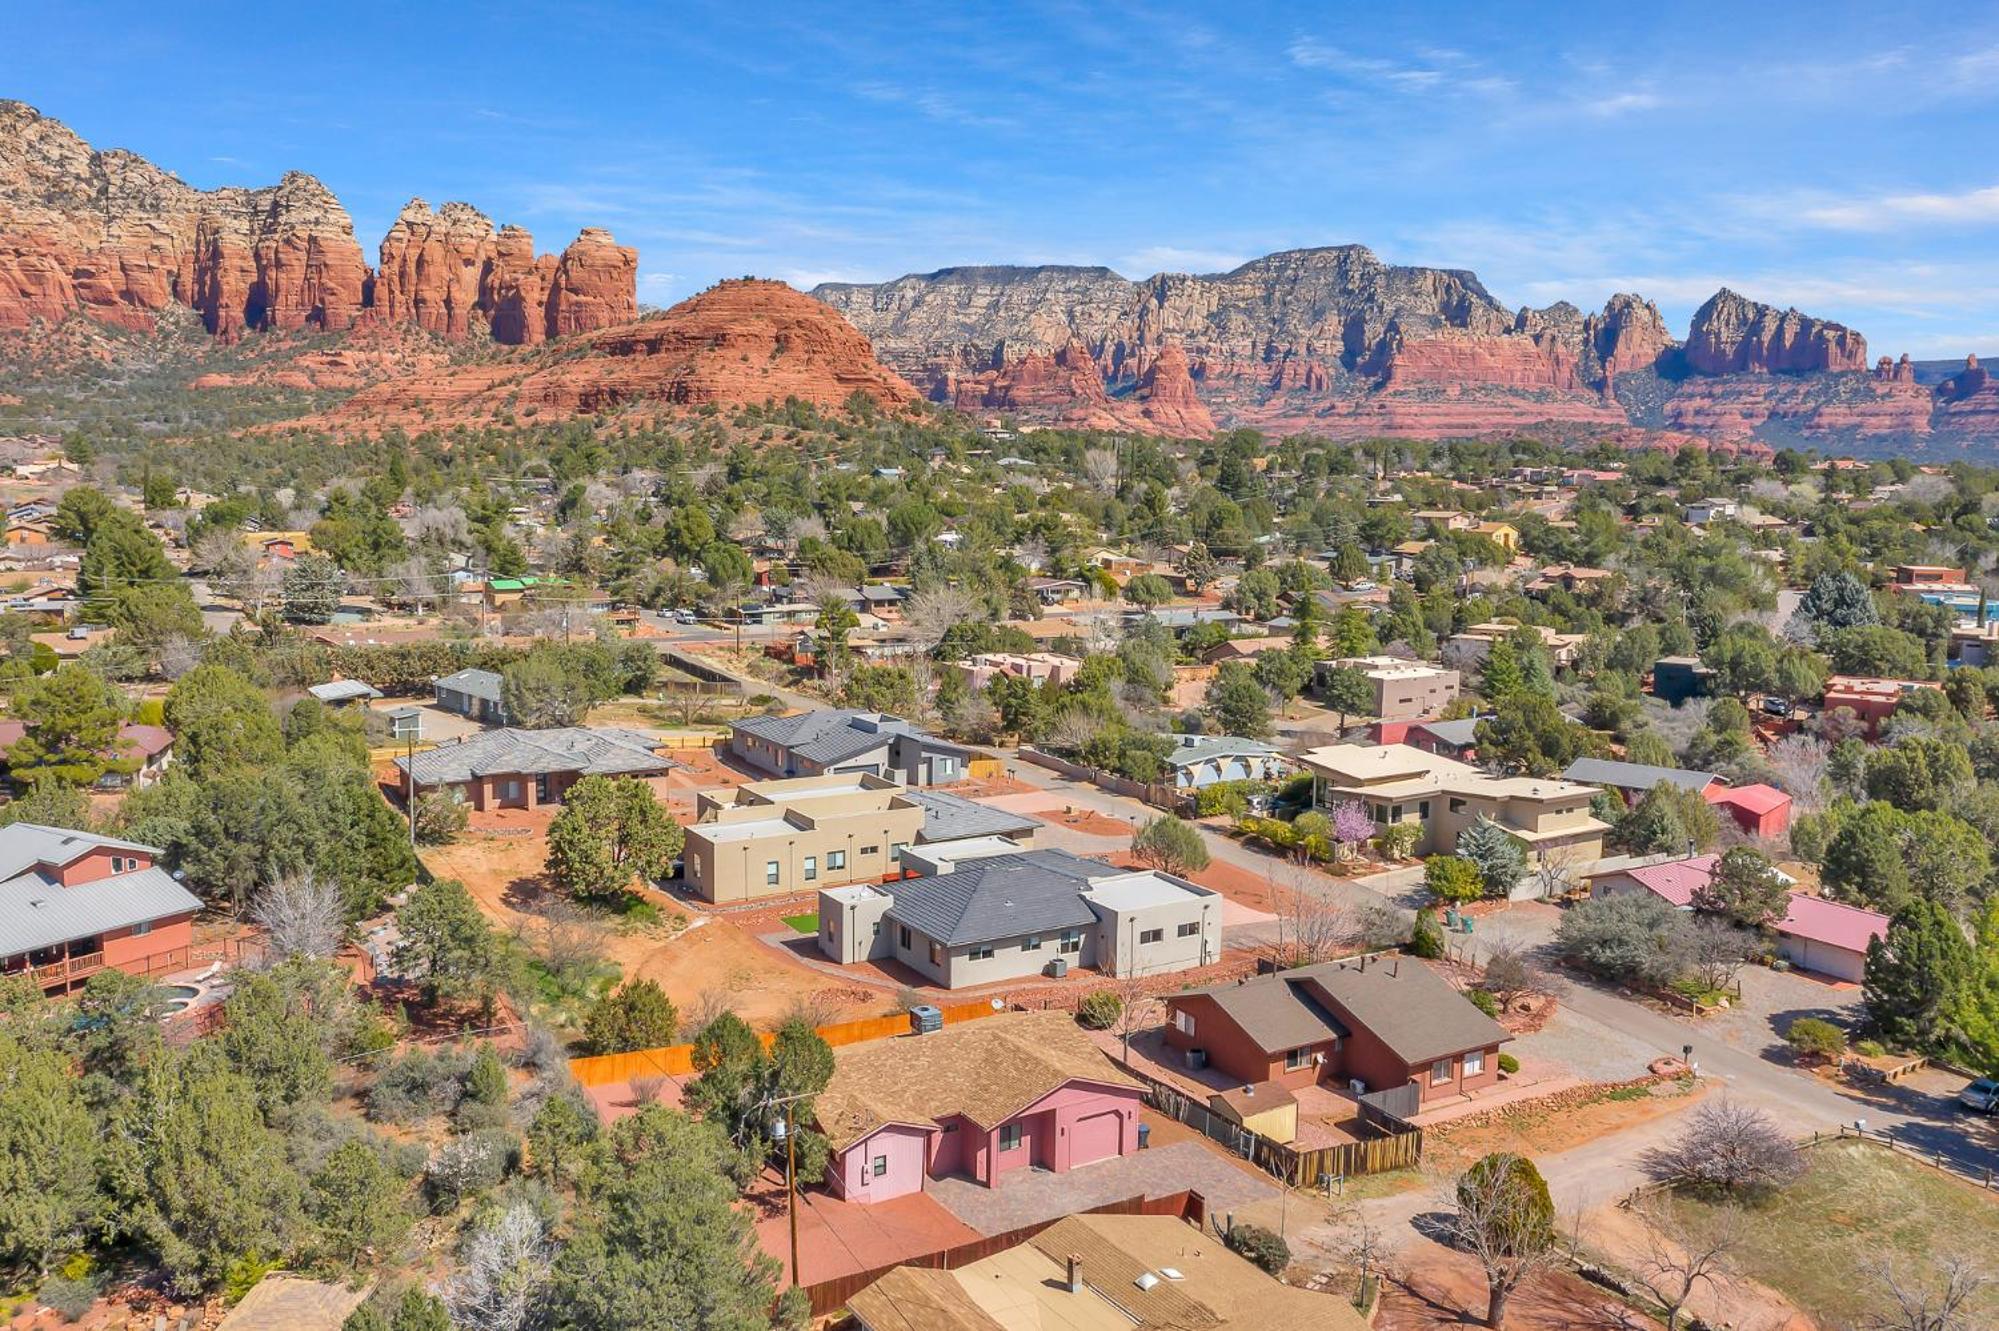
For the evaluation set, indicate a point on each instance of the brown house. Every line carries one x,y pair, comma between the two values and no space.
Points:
1383,1022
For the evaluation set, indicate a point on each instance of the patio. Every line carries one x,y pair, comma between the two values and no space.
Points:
1327,1116
1030,1196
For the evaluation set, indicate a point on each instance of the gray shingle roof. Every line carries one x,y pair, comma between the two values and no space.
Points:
37,911
340,690
1206,747
1401,1002
474,684
1461,733
590,750
1634,776
953,818
1002,897
1276,1014
832,736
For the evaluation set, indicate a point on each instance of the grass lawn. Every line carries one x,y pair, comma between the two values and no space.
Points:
805,924
1855,1206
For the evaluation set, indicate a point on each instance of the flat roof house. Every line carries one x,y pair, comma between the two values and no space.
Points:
982,1099
1005,917
812,743
72,904
474,694
1403,690
769,838
1100,1273
1383,1022
523,769
1399,783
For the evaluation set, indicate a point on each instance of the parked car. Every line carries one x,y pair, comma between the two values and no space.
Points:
1777,706
1982,1096
683,616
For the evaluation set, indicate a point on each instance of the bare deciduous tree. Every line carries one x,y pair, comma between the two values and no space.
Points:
508,1264
1930,1307
1510,973
1100,468
1726,1147
1678,1260
708,1005
301,915
931,612
1559,870
1311,926
1137,1010
418,581
177,655
1799,763
1717,953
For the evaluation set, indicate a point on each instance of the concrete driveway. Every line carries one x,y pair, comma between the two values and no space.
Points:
1027,1197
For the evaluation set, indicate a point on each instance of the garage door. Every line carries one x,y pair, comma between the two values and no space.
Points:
1094,1138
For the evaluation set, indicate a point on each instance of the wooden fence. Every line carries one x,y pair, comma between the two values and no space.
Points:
1158,796
1399,1147
829,1296
678,1060
1986,1178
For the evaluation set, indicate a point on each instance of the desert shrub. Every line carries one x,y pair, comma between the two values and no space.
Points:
1427,938
1484,1002
70,1296
1264,1247
1814,1037
471,1164
1452,878
1727,1148
440,816
417,1084
1099,1009
1870,1048
1509,1064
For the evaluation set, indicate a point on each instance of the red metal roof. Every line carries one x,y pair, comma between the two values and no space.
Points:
1758,799
1676,880
1830,922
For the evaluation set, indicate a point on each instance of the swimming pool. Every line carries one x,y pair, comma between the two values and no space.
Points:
178,997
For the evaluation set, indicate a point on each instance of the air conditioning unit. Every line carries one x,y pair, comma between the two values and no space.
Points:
1357,1086
1058,967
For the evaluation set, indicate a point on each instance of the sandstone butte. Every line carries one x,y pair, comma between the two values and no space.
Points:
739,341
112,236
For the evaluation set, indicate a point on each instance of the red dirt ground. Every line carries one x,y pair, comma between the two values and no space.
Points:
1441,1287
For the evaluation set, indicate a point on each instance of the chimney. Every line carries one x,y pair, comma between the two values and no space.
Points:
1075,1274
1690,847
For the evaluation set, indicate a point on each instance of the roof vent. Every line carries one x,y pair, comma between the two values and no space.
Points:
1171,1273
1146,1280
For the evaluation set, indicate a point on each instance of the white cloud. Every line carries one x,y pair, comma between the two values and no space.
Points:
1623,103
1883,212
1434,69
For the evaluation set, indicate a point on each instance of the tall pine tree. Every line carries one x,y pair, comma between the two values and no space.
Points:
1918,977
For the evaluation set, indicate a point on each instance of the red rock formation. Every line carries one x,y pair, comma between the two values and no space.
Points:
514,289
1734,335
594,286
1737,405
1067,383
1516,361
1968,402
1628,335
1893,371
1166,398
738,342
433,266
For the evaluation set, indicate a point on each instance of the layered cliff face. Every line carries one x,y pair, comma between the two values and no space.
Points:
110,235
738,342
1628,335
1734,335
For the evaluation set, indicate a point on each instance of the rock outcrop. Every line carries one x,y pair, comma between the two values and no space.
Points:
738,342
1166,399
1628,335
1732,334
110,235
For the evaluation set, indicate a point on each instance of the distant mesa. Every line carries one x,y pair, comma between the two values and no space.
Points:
110,235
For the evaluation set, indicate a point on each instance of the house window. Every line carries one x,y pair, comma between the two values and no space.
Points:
1031,943
1296,1058
811,867
1150,936
1188,930
1474,1062
1457,806
836,860
1010,1137
142,928
1440,1072
870,850
770,872
877,931
1395,814
1183,1022
1071,941
1379,811
896,849
878,1166
1423,811
981,952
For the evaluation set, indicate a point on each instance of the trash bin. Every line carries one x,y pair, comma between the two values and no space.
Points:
1144,1135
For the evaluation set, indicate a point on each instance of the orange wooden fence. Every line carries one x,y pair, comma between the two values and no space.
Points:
678,1060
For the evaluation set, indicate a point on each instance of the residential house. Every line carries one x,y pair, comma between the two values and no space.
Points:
1403,690
1464,650
1871,700
150,750
1502,534
1674,879
1829,937
1632,780
982,1099
1007,917
73,903
1975,644
339,692
525,769
1675,679
1573,578
1122,568
1703,512
1198,761
1935,584
812,743
1055,591
474,694
1364,1024
1038,667
1926,575
1445,519
1244,649
1758,809
23,533
1100,1273
1399,783
768,838
1453,739
780,612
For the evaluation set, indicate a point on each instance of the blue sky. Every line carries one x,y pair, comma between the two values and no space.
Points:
1835,156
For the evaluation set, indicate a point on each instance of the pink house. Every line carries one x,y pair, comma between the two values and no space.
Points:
981,1099
1759,810
1829,937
